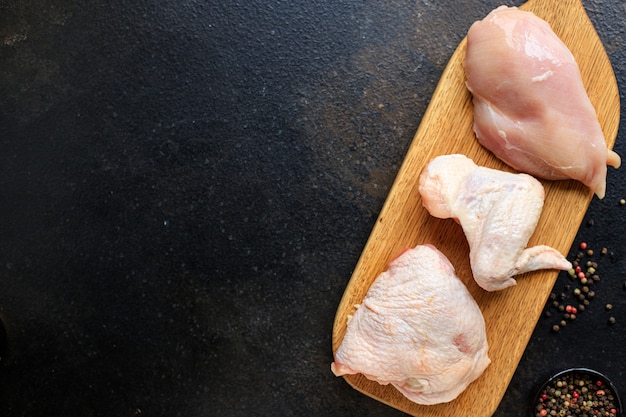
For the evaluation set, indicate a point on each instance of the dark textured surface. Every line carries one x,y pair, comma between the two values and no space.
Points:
185,187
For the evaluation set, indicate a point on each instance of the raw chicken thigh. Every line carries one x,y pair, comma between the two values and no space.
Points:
407,331
530,105
498,212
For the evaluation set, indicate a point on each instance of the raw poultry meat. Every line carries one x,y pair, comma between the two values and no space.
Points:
498,212
530,105
407,333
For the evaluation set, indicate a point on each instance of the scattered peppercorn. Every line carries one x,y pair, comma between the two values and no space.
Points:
577,294
611,320
609,306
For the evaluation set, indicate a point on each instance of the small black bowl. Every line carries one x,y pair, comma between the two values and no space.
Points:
593,382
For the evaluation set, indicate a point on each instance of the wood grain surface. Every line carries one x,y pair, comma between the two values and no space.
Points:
446,127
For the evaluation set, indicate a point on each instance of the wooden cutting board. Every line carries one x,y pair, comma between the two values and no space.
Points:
446,127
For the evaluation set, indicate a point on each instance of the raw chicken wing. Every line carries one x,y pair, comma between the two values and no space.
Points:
498,212
530,105
418,329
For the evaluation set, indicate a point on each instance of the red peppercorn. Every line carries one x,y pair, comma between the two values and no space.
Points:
543,412
583,245
581,275
599,383
575,394
578,269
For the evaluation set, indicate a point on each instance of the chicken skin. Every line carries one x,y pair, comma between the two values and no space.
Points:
498,212
406,333
530,105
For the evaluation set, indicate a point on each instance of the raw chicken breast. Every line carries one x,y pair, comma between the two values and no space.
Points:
498,212
530,105
408,331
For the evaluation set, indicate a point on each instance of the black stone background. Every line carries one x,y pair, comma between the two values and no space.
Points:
186,186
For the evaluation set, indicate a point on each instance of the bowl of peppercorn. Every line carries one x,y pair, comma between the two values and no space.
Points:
577,392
